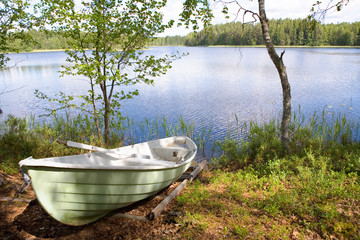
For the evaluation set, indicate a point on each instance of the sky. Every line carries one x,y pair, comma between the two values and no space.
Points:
274,9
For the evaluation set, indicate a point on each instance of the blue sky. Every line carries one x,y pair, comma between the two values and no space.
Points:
274,9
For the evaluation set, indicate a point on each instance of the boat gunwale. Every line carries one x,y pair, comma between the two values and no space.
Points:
105,167
163,164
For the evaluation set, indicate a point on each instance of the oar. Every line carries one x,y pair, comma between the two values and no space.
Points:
83,146
100,149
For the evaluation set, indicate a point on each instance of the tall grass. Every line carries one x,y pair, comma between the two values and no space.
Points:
24,137
253,145
334,137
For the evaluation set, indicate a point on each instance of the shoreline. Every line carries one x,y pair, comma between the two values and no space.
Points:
281,46
210,46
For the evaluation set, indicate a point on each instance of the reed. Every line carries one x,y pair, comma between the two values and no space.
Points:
24,137
335,136
202,139
187,129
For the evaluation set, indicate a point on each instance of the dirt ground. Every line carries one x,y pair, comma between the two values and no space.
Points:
20,220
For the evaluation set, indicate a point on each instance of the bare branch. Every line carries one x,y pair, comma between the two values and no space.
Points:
9,91
282,54
240,9
320,13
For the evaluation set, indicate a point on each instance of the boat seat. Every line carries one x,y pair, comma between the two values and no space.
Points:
174,153
141,162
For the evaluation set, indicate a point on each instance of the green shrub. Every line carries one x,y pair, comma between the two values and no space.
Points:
21,138
334,139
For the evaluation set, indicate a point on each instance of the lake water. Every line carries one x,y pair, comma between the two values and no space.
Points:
207,87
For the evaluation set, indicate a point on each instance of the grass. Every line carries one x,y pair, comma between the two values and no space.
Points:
332,138
258,190
21,138
242,204
255,190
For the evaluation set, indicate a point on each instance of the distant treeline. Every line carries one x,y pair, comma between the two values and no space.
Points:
41,40
285,32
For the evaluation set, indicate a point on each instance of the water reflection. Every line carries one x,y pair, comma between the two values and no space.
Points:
333,51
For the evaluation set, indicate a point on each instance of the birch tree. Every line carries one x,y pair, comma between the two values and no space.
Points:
203,7
106,39
13,22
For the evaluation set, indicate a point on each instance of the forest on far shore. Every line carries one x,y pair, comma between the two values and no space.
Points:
284,32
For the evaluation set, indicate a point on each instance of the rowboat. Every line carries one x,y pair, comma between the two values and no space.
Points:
79,189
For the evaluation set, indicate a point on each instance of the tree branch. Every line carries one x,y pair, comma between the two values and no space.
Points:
322,12
282,54
254,15
12,90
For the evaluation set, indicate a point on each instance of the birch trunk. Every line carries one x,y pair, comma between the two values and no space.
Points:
279,64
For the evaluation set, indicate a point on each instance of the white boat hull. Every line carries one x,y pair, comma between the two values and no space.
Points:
75,193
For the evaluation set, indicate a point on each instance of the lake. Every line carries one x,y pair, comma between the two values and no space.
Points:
208,87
